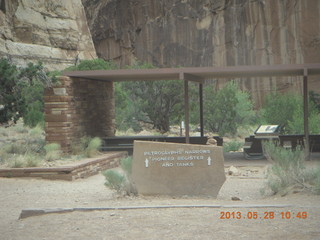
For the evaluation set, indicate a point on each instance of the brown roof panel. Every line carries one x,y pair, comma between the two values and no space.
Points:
197,73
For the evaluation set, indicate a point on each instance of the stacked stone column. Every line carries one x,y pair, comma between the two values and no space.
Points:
76,108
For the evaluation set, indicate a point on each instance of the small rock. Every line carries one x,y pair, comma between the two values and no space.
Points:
233,171
211,141
235,199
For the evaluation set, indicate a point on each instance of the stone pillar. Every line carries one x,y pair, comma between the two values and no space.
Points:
76,108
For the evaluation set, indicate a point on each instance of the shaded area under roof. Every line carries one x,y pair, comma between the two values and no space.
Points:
198,73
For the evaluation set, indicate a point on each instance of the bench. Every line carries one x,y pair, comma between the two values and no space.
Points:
125,143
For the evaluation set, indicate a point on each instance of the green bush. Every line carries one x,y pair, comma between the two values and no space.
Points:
126,165
21,92
25,160
121,180
288,171
87,146
232,146
296,125
17,161
93,147
114,179
227,109
317,181
53,151
32,160
287,110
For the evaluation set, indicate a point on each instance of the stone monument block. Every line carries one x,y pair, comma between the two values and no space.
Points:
177,169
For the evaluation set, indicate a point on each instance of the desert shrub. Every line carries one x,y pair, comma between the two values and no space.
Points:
14,148
17,161
4,132
19,127
22,146
32,161
121,180
126,165
232,146
317,181
36,131
93,147
86,146
79,147
288,170
24,160
53,151
114,179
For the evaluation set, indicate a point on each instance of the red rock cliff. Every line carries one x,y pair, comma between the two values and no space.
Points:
170,33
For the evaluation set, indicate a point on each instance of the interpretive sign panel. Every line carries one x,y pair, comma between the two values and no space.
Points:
177,169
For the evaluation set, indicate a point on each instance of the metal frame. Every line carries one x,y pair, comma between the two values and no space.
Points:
199,74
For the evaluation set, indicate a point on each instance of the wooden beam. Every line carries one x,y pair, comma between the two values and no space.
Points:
193,78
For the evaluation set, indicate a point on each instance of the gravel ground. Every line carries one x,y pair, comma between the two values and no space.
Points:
173,223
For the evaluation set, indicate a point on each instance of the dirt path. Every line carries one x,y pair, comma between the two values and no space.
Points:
182,223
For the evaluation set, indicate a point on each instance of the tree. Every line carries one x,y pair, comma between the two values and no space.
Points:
287,110
227,109
220,109
21,92
154,102
9,95
279,108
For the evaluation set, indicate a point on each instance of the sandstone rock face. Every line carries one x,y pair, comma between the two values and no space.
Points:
170,33
54,32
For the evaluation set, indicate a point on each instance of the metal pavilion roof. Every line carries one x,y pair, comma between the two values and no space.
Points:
199,74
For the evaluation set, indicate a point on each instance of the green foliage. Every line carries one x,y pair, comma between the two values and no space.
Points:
120,180
232,146
296,125
126,110
9,95
17,162
114,179
53,151
317,181
154,102
279,108
22,140
227,109
287,110
93,147
24,160
79,147
34,114
245,115
315,99
87,146
288,170
36,131
95,64
21,92
126,165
